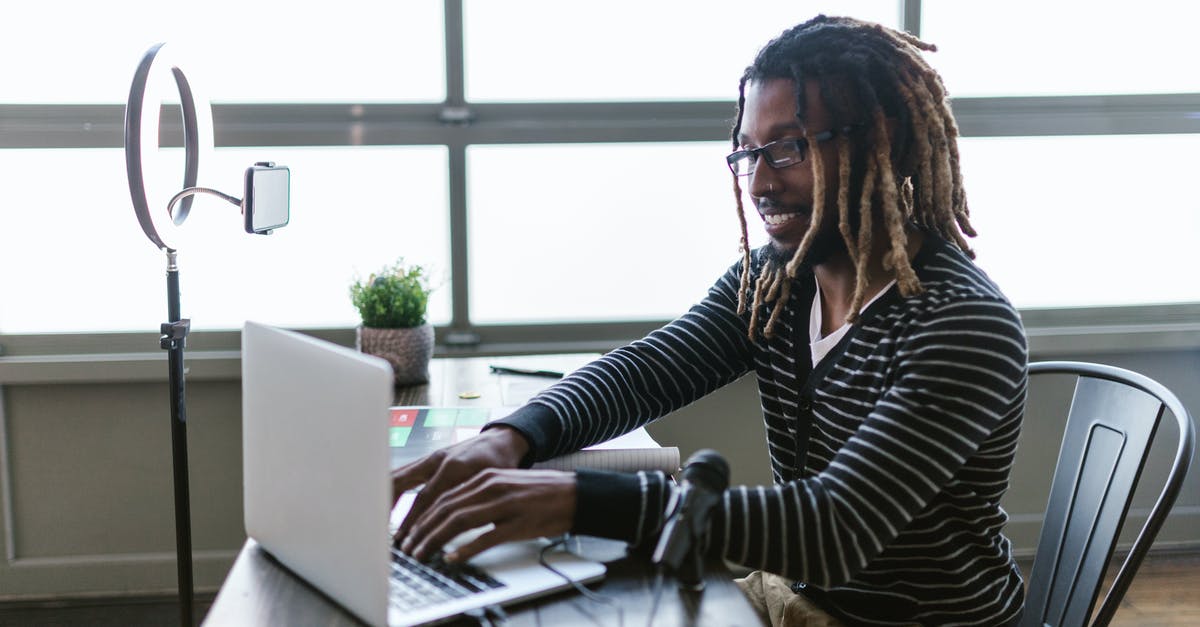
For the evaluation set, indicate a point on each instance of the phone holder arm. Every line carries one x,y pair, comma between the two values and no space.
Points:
191,191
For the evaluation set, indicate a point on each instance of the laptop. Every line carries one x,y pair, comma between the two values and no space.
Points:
318,491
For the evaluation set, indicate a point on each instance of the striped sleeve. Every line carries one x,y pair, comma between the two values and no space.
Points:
697,353
959,374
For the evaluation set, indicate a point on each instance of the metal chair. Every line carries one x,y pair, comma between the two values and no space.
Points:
1114,414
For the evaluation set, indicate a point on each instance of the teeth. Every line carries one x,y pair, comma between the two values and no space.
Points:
779,218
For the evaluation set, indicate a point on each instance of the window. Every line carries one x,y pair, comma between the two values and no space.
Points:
74,51
564,165
83,263
354,208
1074,47
1085,221
548,50
611,231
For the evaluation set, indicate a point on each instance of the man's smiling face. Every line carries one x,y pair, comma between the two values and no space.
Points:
784,196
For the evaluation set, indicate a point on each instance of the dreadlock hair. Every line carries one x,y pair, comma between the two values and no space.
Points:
913,177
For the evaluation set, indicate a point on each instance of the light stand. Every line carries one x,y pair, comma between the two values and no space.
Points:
173,339
267,189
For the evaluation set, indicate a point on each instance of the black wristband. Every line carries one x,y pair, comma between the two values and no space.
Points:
607,504
540,427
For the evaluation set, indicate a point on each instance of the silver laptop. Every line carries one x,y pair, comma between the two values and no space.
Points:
318,492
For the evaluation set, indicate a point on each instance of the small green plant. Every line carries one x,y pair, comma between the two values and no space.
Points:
395,298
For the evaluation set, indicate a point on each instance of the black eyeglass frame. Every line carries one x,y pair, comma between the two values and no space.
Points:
801,144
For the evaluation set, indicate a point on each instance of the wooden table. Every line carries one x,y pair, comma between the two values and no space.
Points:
260,591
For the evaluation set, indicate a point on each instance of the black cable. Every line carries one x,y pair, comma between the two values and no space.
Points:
589,594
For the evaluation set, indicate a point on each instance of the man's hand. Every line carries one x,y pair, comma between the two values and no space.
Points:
501,447
522,504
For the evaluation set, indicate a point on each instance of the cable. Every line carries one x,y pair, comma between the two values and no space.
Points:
480,617
483,616
495,610
589,594
658,587
191,191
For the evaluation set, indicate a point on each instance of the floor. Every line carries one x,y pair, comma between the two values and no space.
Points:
1165,593
124,612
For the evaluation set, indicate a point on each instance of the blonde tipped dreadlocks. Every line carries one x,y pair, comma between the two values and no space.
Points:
911,177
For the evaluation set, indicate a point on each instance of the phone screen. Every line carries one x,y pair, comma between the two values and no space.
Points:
269,191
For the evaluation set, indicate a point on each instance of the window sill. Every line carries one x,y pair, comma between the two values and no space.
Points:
215,355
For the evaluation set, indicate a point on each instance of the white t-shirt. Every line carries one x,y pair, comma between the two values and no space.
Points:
820,346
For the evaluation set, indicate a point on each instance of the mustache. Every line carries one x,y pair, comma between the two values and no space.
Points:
765,205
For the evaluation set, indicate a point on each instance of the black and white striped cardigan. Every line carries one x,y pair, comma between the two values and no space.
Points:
911,425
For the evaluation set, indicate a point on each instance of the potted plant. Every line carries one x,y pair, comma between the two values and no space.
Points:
391,305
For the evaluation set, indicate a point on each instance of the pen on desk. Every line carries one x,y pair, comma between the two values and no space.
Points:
526,371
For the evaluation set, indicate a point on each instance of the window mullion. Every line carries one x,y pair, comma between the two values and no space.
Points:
910,17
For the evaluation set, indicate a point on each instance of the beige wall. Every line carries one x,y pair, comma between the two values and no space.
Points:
86,485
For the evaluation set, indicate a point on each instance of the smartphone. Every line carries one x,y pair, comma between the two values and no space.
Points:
267,203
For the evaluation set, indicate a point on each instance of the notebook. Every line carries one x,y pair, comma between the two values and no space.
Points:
416,431
317,488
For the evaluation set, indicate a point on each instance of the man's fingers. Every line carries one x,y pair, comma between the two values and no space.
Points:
526,503
448,469
412,475
430,472
448,478
425,498
503,532
463,519
434,515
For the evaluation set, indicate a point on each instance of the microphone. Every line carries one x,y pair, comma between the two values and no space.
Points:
705,477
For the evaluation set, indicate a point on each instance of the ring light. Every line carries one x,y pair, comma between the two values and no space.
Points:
265,208
141,130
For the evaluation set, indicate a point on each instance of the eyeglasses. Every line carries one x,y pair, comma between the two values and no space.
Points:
778,154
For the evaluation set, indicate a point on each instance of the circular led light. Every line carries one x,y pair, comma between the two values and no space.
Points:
141,131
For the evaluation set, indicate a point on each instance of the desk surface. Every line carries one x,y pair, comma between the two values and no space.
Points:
260,591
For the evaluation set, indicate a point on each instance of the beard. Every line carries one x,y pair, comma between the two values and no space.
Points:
826,243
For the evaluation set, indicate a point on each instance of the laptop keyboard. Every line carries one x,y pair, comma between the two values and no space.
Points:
419,584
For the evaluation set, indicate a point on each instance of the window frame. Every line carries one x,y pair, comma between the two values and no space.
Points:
457,124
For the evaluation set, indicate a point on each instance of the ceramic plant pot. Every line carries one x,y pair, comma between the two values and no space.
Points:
407,350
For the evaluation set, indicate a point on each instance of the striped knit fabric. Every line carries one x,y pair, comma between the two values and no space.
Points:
889,458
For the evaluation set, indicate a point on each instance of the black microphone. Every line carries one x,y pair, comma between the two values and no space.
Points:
705,478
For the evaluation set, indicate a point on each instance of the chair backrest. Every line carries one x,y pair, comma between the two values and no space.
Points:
1111,425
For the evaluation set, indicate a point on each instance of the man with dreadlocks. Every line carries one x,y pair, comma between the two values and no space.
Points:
892,371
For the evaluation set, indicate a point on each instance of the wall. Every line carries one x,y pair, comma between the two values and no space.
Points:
86,484
85,469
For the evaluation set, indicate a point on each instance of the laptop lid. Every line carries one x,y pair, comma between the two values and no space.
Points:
315,463
317,490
